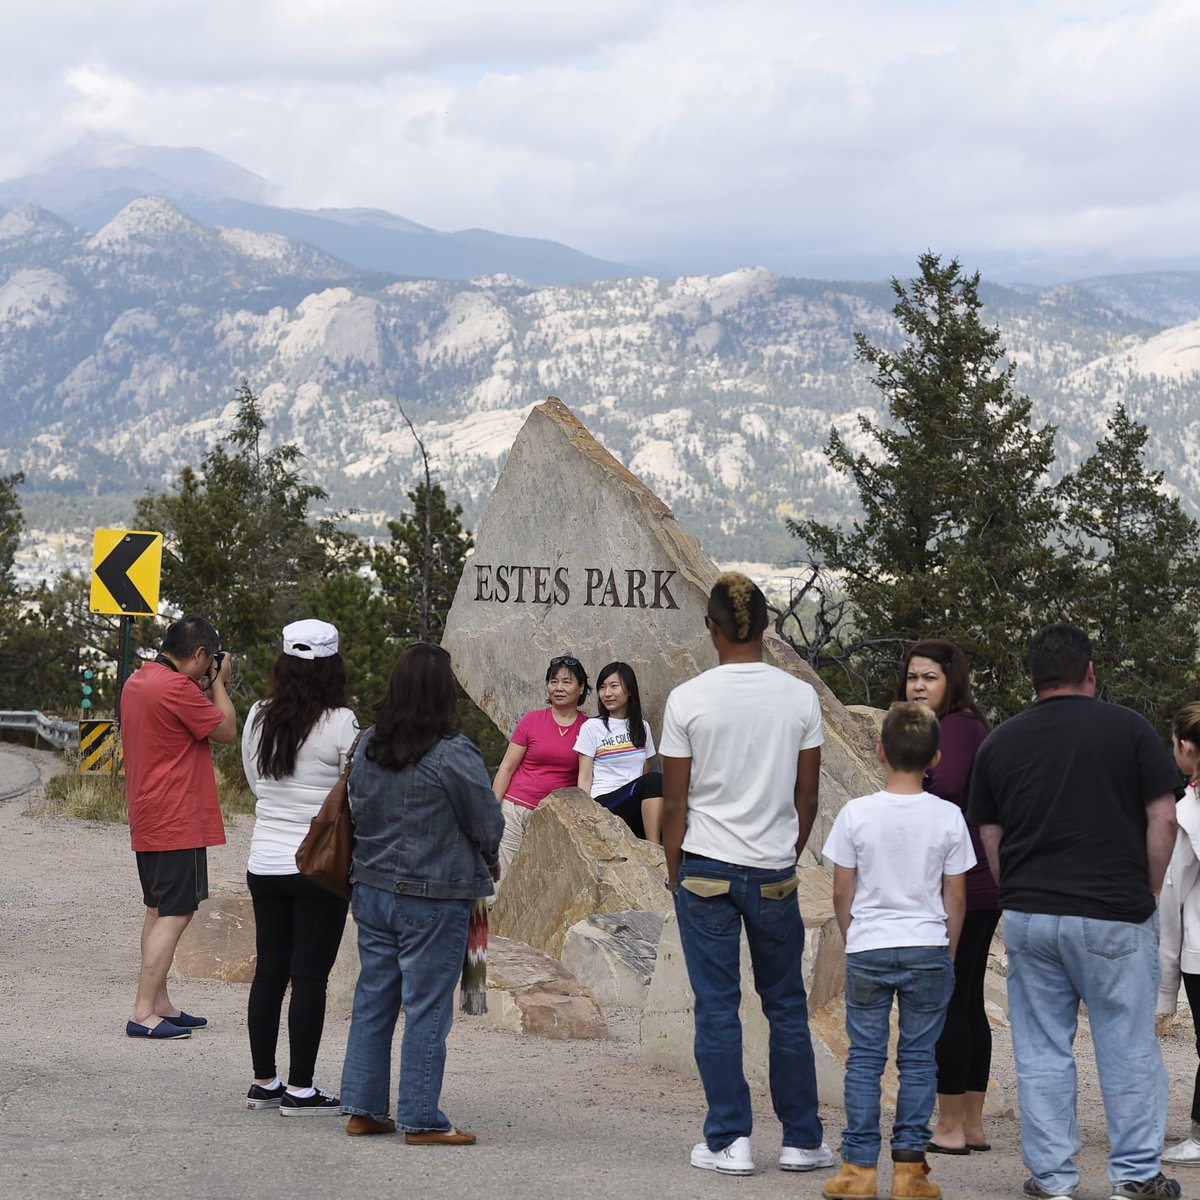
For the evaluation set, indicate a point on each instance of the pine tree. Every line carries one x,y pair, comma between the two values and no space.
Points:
418,574
419,570
953,537
1134,575
11,523
239,545
357,610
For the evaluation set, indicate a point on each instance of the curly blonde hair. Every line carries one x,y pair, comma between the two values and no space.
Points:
738,607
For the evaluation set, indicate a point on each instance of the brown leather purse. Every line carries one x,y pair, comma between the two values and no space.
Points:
324,855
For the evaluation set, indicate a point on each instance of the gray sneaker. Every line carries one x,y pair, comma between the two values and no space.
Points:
1158,1188
1033,1188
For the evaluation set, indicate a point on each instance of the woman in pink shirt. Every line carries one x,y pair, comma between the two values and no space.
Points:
541,756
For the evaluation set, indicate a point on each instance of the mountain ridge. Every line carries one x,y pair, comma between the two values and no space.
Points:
119,357
93,182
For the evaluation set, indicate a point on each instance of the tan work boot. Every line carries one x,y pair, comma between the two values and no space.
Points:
910,1177
851,1180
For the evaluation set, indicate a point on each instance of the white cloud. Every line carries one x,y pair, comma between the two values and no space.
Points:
770,128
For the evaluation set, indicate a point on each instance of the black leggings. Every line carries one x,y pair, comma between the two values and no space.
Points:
964,1051
1191,985
297,930
626,801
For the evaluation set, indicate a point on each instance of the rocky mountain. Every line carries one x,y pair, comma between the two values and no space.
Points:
120,351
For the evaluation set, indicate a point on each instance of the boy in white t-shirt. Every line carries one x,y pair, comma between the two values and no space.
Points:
899,891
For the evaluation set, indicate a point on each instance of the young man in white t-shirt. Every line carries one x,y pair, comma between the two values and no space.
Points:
899,891
741,750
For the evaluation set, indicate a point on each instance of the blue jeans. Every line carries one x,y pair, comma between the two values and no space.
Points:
921,979
710,929
1112,966
411,951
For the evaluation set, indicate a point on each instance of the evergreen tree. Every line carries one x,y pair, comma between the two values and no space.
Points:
1134,575
239,545
11,524
952,541
358,611
419,569
49,635
418,573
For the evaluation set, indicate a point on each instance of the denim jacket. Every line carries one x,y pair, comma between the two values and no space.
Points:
431,828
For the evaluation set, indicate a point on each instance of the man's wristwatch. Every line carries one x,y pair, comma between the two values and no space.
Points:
671,887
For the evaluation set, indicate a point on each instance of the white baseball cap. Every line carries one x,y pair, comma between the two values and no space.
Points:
310,638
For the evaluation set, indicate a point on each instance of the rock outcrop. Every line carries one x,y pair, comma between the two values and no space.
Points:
614,954
530,992
577,859
219,943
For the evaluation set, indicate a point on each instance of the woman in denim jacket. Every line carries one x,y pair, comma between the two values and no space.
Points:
426,832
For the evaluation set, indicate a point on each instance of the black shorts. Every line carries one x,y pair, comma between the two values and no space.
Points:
626,802
173,881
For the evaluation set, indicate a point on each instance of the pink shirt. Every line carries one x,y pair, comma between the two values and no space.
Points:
550,760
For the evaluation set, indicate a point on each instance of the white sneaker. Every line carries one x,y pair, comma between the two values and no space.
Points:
1186,1154
792,1158
733,1160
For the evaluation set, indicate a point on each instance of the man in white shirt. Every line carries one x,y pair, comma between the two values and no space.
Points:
741,752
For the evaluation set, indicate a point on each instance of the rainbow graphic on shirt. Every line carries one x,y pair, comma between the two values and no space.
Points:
613,752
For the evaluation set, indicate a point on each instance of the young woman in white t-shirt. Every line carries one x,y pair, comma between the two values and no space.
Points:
614,751
295,742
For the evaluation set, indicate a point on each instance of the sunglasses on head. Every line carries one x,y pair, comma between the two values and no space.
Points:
563,660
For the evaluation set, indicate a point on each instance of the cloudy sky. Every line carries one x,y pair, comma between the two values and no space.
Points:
811,136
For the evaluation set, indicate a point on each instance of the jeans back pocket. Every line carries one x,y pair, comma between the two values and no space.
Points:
779,891
699,885
1110,939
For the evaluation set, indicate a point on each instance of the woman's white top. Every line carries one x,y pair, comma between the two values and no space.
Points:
284,808
616,760
1179,906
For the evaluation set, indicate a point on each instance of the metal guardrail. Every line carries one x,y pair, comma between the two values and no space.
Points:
56,731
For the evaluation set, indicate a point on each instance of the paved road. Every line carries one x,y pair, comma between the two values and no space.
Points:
18,774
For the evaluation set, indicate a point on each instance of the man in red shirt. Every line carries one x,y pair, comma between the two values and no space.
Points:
171,708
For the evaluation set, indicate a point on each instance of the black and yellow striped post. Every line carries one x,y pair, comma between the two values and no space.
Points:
100,748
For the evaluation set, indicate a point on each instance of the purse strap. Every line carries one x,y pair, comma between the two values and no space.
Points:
350,755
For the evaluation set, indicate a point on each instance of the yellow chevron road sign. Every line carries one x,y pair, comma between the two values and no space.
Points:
126,564
99,748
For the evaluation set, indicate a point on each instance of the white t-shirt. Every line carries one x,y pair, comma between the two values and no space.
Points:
901,846
743,725
284,808
616,760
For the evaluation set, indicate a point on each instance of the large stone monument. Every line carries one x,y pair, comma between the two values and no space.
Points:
575,555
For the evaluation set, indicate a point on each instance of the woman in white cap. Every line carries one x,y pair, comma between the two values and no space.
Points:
295,743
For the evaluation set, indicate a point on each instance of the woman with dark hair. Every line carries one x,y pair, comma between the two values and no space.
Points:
294,747
426,833
541,758
615,748
935,674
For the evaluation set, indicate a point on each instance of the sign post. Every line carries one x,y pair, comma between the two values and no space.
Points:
126,565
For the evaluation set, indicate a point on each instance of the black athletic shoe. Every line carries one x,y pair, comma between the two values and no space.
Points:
319,1104
1158,1188
261,1097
